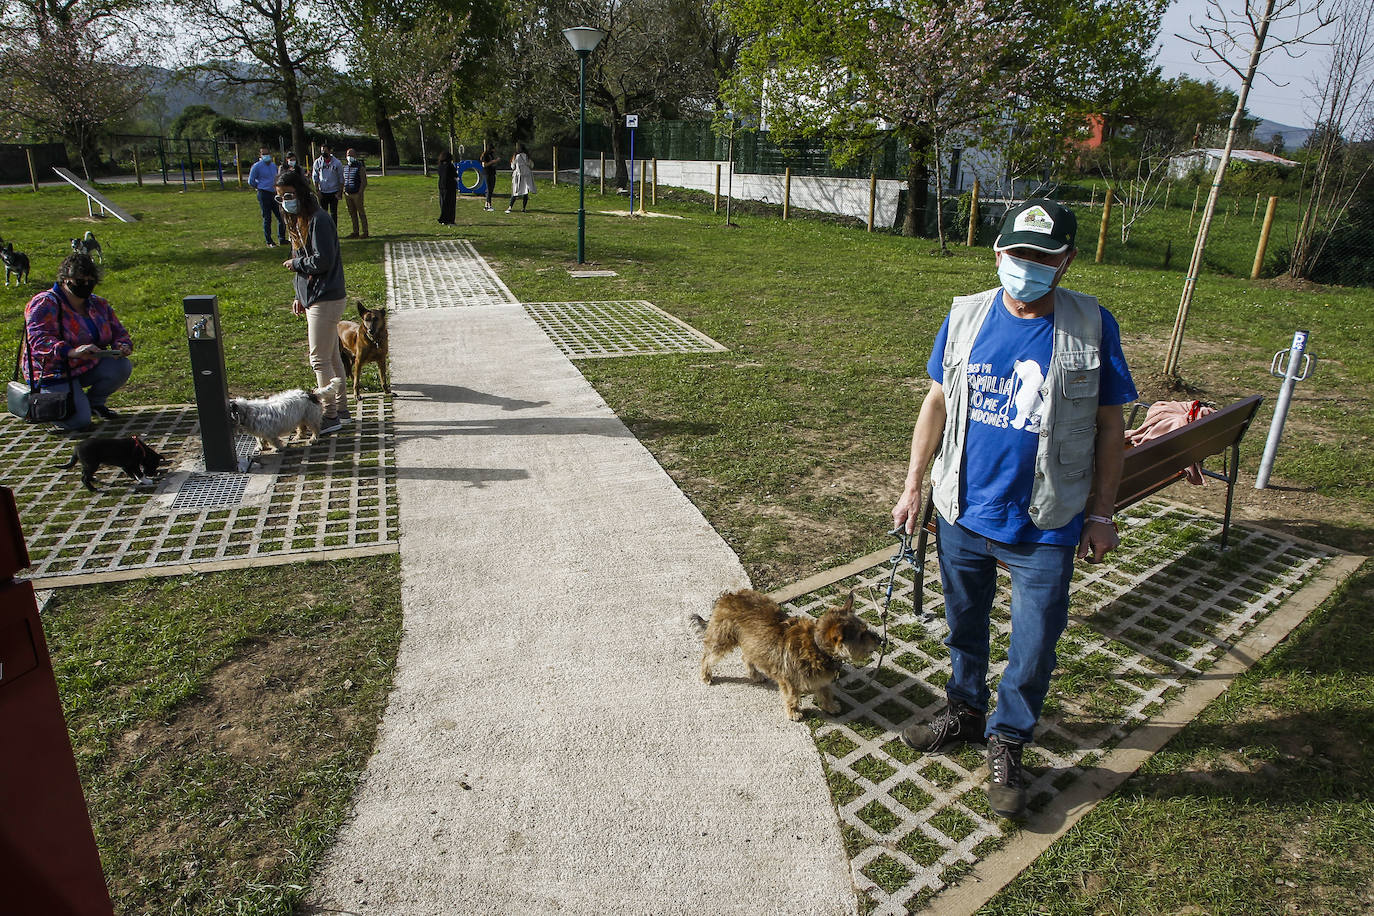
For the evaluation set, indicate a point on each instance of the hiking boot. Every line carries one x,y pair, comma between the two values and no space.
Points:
103,412
345,417
1006,779
330,425
952,726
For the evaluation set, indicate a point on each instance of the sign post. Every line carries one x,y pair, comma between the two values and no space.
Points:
632,121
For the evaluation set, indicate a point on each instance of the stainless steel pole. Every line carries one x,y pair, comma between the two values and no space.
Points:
1291,375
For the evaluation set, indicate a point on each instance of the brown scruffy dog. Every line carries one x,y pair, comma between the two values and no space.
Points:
362,342
799,654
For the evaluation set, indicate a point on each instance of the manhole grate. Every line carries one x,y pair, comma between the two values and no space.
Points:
204,491
441,274
591,330
1143,626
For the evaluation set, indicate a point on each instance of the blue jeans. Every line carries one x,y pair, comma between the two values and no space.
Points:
1040,576
269,209
93,386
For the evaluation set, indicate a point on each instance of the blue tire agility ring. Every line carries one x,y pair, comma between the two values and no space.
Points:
472,165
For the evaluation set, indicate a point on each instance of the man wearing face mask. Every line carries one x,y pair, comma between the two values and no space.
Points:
328,178
262,177
1023,424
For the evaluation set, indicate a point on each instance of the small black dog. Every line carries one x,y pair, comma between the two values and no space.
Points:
89,246
16,263
131,453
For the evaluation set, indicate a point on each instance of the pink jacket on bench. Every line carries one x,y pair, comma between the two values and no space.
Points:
1165,417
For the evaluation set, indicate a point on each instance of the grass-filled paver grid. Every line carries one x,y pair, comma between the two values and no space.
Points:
1157,615
441,274
586,330
338,493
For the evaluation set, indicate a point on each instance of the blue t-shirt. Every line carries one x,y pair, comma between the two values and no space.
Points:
1006,369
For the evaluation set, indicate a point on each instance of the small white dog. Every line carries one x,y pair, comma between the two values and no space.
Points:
270,419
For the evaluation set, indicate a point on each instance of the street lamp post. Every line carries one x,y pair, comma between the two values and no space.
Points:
584,40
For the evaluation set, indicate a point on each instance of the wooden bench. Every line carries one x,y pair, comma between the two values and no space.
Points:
1153,465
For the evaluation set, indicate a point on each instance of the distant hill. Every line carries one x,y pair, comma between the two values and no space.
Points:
1293,137
173,90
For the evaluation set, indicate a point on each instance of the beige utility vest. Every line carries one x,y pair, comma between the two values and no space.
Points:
1068,430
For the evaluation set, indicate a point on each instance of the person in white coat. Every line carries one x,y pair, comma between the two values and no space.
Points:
521,179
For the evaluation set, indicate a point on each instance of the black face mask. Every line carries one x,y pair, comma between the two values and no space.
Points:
81,289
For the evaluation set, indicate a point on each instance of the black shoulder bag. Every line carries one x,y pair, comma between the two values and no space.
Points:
25,399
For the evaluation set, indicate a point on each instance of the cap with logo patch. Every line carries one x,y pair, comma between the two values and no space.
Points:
1040,224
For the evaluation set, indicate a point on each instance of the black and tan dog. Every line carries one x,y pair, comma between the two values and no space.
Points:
16,262
131,453
799,654
362,342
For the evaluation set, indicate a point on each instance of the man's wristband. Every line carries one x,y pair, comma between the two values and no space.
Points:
1103,519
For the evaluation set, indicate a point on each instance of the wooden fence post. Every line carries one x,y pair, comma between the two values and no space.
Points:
238,164
202,175
138,173
715,201
643,185
1102,232
33,173
872,199
555,165
1264,237
653,187
973,215
381,145
603,173
786,191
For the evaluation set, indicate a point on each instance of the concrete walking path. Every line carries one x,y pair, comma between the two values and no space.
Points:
548,746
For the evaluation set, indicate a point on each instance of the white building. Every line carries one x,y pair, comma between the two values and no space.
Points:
1209,159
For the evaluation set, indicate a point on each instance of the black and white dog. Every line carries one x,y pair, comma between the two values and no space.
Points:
89,246
131,453
16,263
273,418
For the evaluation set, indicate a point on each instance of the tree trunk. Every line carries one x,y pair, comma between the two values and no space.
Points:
291,97
939,197
917,181
618,145
917,195
424,157
384,131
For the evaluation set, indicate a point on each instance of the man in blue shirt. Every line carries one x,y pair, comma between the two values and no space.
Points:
262,177
1024,428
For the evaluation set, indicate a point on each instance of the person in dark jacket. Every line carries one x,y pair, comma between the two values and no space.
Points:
74,334
354,185
448,188
489,160
320,294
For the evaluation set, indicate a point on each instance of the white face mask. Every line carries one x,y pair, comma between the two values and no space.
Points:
266,158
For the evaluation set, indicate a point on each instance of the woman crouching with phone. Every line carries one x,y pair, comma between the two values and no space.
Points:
76,343
319,283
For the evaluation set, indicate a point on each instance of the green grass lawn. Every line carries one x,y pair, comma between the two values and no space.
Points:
793,443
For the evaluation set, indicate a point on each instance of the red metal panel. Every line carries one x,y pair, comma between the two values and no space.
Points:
49,864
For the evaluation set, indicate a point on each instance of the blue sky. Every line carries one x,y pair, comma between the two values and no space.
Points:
1285,104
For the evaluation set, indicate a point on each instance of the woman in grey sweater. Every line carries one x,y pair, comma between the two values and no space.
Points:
319,283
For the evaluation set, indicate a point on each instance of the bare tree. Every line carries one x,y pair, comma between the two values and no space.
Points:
1222,38
285,41
70,76
1344,98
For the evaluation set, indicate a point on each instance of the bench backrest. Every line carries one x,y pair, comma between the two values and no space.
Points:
1155,464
